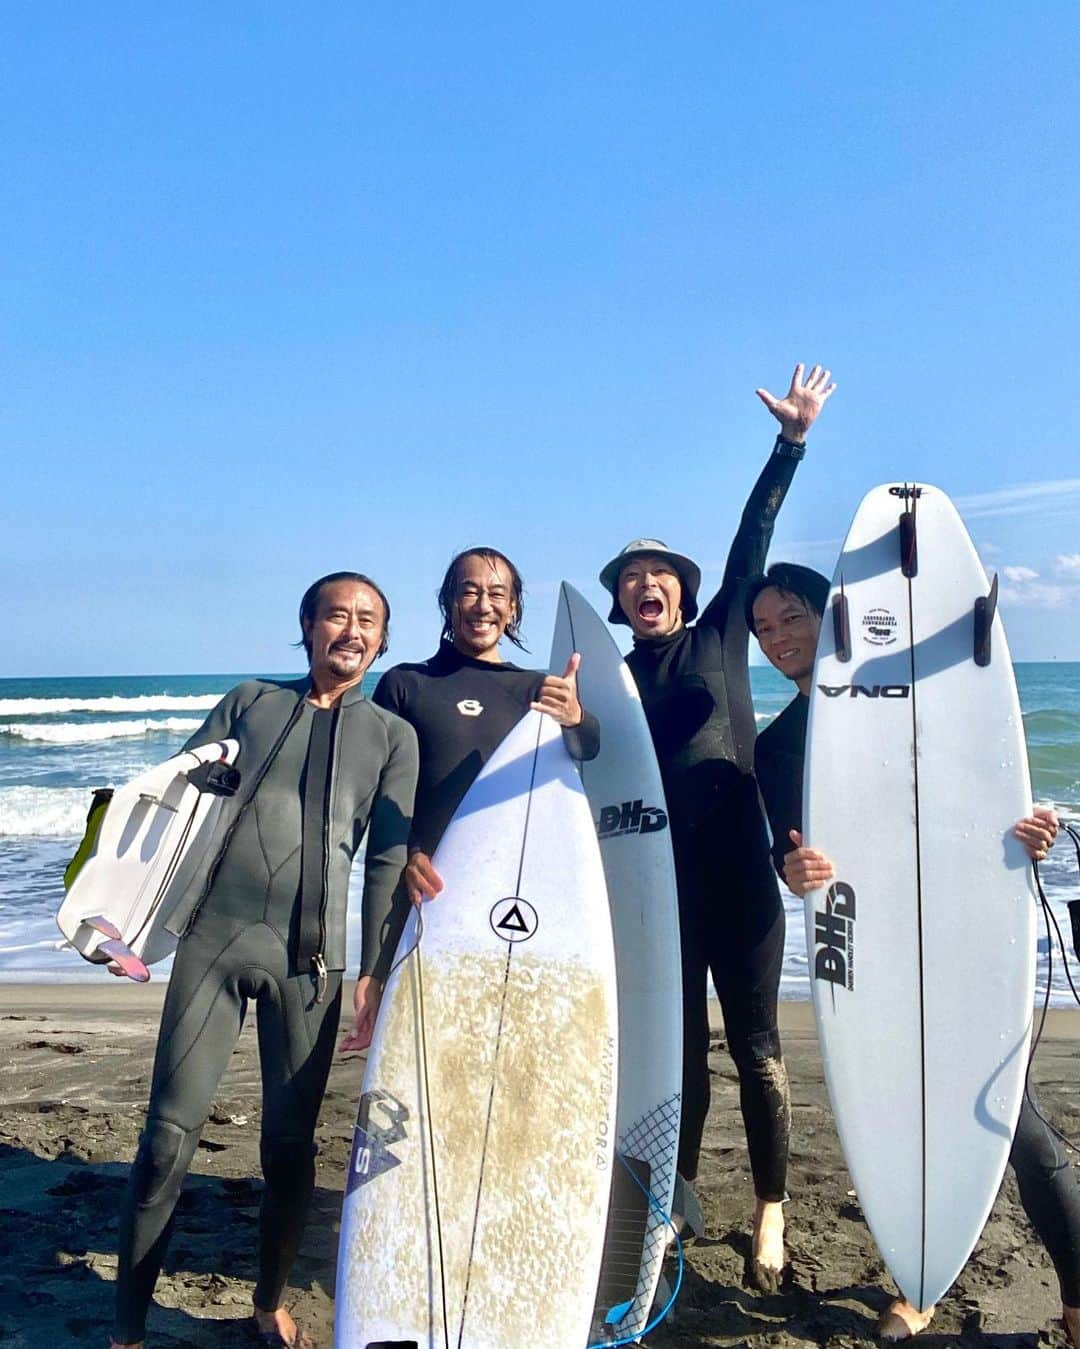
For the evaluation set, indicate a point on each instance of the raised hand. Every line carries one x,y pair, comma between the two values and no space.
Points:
558,695
798,409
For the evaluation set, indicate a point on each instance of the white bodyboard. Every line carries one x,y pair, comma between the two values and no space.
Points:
154,833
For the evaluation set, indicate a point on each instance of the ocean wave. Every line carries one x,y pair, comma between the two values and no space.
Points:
1055,773
74,733
43,812
1052,722
149,702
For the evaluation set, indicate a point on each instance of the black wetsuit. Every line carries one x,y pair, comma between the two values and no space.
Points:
695,687
1048,1188
266,921
461,710
778,767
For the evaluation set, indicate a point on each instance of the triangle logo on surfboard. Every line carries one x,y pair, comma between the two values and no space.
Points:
514,919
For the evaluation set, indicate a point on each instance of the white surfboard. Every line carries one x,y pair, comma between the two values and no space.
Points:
153,834
922,951
477,1192
627,798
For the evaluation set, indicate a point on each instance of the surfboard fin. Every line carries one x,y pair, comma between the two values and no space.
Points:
909,543
841,620
985,608
114,949
685,1203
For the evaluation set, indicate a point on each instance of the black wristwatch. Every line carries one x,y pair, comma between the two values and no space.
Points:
790,449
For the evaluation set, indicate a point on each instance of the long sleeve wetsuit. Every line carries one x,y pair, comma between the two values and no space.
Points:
695,688
778,766
266,922
461,710
1048,1187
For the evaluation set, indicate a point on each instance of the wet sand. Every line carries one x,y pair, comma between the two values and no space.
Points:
74,1078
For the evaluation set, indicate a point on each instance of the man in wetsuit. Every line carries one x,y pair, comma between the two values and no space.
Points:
789,603
784,608
320,765
695,688
464,700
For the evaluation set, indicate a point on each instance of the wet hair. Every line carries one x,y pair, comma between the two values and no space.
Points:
309,605
802,583
449,586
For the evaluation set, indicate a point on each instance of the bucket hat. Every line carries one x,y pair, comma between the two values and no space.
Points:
687,570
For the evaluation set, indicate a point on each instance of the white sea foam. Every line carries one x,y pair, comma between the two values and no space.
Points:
75,733
150,702
43,812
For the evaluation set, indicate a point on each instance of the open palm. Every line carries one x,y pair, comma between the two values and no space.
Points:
798,409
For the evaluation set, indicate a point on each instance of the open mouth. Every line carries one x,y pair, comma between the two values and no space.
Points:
649,609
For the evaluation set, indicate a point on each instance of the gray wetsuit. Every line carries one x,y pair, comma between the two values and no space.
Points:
265,921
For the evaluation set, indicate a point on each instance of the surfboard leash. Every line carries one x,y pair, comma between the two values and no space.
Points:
1053,929
414,950
657,1207
431,1133
1050,918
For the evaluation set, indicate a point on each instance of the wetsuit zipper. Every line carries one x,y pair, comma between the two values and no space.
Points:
318,960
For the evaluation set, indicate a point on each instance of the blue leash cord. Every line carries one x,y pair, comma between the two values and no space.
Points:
656,1205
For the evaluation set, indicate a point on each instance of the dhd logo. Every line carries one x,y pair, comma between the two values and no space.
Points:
632,817
834,937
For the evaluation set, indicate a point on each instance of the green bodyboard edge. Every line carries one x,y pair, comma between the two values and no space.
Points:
94,817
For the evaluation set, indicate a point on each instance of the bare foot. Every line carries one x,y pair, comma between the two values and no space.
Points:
767,1245
1071,1318
902,1320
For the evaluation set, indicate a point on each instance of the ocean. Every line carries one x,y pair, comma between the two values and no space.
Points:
59,738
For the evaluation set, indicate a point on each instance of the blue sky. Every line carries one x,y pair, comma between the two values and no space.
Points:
289,289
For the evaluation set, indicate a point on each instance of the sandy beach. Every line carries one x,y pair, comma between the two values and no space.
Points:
74,1077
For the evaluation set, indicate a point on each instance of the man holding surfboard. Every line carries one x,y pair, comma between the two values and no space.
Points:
696,694
784,609
265,922
466,698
